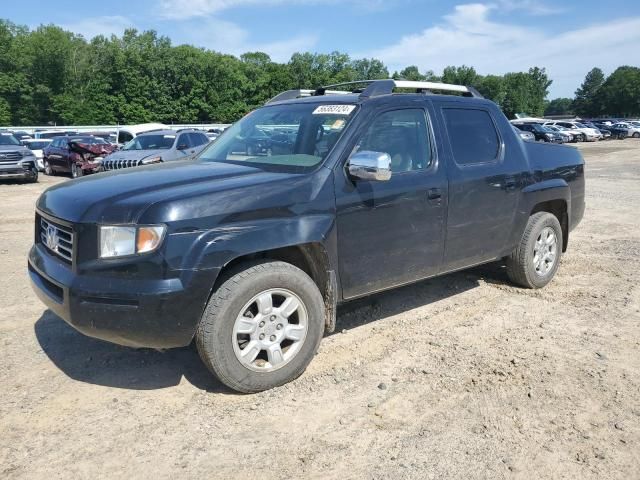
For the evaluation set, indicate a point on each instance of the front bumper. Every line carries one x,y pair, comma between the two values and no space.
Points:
156,313
18,171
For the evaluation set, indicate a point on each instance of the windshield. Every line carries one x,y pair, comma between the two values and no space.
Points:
151,142
89,140
8,139
292,137
579,125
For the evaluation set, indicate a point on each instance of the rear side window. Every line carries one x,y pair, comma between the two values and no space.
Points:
472,135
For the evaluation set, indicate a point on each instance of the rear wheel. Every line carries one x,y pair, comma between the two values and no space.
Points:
636,135
262,326
535,260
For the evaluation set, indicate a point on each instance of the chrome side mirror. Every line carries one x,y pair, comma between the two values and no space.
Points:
368,165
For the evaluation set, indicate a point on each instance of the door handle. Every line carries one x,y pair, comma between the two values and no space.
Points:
434,195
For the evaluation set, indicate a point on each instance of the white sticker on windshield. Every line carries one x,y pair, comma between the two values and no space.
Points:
334,110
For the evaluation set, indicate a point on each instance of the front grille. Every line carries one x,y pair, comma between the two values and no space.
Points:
57,239
10,158
119,164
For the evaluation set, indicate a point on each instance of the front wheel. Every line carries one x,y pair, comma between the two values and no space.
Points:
262,326
535,260
47,168
76,171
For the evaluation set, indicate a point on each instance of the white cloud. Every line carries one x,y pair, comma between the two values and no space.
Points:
228,37
90,27
181,9
469,36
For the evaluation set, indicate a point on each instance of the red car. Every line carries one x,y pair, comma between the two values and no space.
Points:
77,154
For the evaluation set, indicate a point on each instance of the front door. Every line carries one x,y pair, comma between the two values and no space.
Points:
392,232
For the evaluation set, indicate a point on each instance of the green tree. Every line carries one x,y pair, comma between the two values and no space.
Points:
560,106
619,95
585,102
462,75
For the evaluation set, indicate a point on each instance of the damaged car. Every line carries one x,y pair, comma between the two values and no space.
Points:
77,155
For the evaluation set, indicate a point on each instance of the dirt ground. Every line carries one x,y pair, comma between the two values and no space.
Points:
463,376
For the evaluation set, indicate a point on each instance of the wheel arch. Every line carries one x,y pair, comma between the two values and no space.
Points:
553,196
312,258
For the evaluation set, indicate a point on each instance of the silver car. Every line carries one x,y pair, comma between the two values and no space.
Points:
156,147
527,136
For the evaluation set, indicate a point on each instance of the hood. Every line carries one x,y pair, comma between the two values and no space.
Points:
167,192
13,148
134,154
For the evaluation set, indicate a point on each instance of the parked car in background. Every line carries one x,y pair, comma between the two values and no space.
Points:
632,130
527,136
21,135
606,133
541,133
126,133
587,134
619,132
566,134
156,147
109,137
16,160
53,133
68,154
37,145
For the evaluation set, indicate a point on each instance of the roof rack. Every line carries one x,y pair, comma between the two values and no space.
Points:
375,88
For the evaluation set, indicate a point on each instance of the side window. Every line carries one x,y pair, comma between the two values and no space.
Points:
403,135
54,143
184,141
472,135
196,139
124,137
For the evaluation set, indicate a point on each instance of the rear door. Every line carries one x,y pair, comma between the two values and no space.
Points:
56,153
391,232
483,184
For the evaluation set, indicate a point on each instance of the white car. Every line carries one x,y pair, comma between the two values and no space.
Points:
588,134
36,145
632,127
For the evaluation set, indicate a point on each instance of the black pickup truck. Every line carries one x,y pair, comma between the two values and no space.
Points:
250,250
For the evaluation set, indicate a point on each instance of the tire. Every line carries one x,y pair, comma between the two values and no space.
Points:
520,264
636,135
47,168
219,342
76,172
34,177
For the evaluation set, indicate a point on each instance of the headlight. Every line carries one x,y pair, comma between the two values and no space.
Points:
150,160
120,241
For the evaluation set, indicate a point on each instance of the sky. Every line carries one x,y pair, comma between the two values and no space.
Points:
567,37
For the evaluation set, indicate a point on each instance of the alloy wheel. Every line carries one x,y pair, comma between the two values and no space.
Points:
270,330
545,251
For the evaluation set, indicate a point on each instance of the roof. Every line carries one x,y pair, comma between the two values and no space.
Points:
374,88
143,127
169,131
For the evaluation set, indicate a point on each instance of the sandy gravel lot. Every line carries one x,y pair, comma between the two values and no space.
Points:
463,376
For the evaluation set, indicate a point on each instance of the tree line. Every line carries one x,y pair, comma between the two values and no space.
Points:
52,76
617,95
